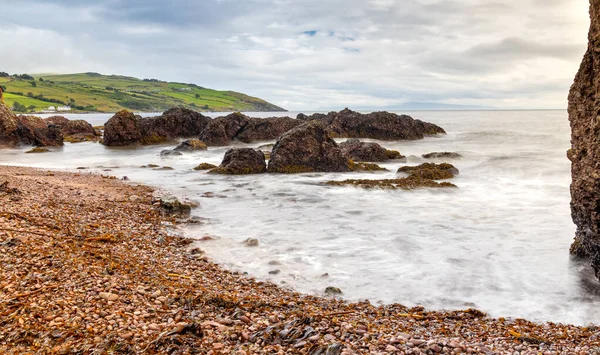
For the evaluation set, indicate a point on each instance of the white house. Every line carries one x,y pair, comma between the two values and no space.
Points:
63,108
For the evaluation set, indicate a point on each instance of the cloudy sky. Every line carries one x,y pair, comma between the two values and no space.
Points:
314,54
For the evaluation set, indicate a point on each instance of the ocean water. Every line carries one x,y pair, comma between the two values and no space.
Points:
498,243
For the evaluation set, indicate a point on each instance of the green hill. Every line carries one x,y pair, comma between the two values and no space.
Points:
110,93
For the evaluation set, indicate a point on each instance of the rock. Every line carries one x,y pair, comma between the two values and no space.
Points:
124,128
57,120
38,150
274,272
9,136
109,296
365,166
205,166
442,155
307,148
171,205
362,151
222,130
240,161
251,242
380,125
77,127
394,154
169,153
264,129
584,105
430,171
331,290
190,145
408,183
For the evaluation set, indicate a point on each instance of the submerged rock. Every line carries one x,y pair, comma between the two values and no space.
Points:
307,148
38,150
408,183
442,155
240,161
430,171
205,166
584,106
191,145
331,290
170,153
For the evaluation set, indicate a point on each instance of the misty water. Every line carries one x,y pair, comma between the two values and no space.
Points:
498,243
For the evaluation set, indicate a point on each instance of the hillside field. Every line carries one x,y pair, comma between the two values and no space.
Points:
93,92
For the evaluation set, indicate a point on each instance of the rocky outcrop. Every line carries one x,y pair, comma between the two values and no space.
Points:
240,161
264,129
9,136
307,148
222,130
380,125
124,128
77,127
57,120
239,127
362,151
584,116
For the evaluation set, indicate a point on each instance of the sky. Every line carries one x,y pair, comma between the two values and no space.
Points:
314,54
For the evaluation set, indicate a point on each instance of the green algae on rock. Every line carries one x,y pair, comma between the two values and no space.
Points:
205,166
360,166
37,150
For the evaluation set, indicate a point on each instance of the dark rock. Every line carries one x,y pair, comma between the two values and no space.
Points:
430,171
38,150
191,145
264,129
362,151
240,161
326,118
408,183
170,153
361,166
35,131
173,123
307,148
125,128
222,130
380,125
584,109
331,290
122,129
442,155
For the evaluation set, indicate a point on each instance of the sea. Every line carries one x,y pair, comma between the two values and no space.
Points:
498,243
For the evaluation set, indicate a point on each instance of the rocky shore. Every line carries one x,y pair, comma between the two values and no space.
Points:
88,266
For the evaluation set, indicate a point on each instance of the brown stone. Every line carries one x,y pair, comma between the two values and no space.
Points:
584,116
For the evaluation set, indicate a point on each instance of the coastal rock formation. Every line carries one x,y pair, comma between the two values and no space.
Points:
362,151
263,129
584,113
237,126
441,155
307,148
380,125
170,153
222,130
124,128
241,161
57,120
72,127
33,130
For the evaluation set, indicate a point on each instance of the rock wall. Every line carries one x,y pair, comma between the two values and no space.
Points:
584,116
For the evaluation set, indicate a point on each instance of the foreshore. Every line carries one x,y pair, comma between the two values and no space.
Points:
88,267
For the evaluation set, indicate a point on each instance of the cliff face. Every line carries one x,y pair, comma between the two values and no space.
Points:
584,116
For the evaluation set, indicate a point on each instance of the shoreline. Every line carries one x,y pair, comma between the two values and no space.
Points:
87,265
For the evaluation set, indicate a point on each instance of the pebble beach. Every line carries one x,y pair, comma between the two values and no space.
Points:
90,265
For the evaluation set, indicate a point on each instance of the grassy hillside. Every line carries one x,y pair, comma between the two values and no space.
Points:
109,93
